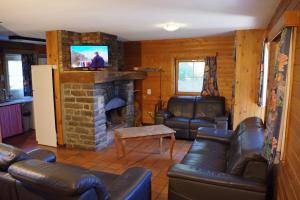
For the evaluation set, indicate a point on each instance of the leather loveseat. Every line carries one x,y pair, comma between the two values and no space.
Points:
185,114
36,176
223,164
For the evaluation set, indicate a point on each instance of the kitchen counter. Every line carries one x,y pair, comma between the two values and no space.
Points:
27,99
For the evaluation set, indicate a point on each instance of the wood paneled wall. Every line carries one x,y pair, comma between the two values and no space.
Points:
288,177
163,53
248,56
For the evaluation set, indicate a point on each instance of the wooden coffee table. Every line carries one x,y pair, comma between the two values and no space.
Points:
143,132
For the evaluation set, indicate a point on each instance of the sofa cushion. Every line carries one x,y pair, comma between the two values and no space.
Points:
181,106
205,161
10,155
201,146
209,107
246,147
178,122
196,123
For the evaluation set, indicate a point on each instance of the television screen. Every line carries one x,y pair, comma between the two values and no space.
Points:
89,56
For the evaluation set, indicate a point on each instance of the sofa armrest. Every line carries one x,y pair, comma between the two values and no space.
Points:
222,118
134,183
186,172
42,154
161,116
216,134
222,121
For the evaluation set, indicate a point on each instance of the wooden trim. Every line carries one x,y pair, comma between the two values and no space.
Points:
289,90
288,19
176,77
188,93
53,59
102,76
283,6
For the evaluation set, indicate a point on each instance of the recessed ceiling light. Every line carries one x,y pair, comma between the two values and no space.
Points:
171,26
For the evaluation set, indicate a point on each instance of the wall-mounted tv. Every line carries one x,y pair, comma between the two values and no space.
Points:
90,56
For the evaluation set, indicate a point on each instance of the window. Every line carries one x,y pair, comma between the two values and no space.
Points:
266,71
189,76
262,94
14,75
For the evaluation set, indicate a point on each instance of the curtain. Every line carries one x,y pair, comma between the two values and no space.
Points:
210,84
27,61
275,124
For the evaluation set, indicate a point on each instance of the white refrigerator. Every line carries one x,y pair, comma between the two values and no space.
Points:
43,104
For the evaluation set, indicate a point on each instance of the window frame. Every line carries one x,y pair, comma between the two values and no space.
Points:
11,92
177,61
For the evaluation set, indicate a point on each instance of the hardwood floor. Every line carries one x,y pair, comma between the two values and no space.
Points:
139,153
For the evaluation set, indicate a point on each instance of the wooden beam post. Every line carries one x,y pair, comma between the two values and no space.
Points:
52,47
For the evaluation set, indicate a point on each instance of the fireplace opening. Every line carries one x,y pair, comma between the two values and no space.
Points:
115,117
115,111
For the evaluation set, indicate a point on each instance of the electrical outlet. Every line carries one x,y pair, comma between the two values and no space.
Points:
149,92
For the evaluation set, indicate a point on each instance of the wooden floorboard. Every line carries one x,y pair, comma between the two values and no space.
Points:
139,153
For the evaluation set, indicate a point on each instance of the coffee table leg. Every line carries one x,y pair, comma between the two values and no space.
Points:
123,147
172,145
117,143
161,144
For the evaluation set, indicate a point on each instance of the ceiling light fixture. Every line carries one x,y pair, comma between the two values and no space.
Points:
171,26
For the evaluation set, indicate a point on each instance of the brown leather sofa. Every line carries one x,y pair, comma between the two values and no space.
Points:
36,176
223,164
185,114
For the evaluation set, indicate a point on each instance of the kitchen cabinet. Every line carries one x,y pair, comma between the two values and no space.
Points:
10,120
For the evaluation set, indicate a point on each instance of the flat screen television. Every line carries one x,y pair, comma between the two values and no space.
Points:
89,56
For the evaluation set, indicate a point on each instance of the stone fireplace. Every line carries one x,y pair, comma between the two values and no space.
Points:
90,104
93,108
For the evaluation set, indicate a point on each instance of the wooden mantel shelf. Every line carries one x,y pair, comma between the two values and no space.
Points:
100,76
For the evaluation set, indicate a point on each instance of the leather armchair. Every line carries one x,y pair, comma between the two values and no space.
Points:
223,164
